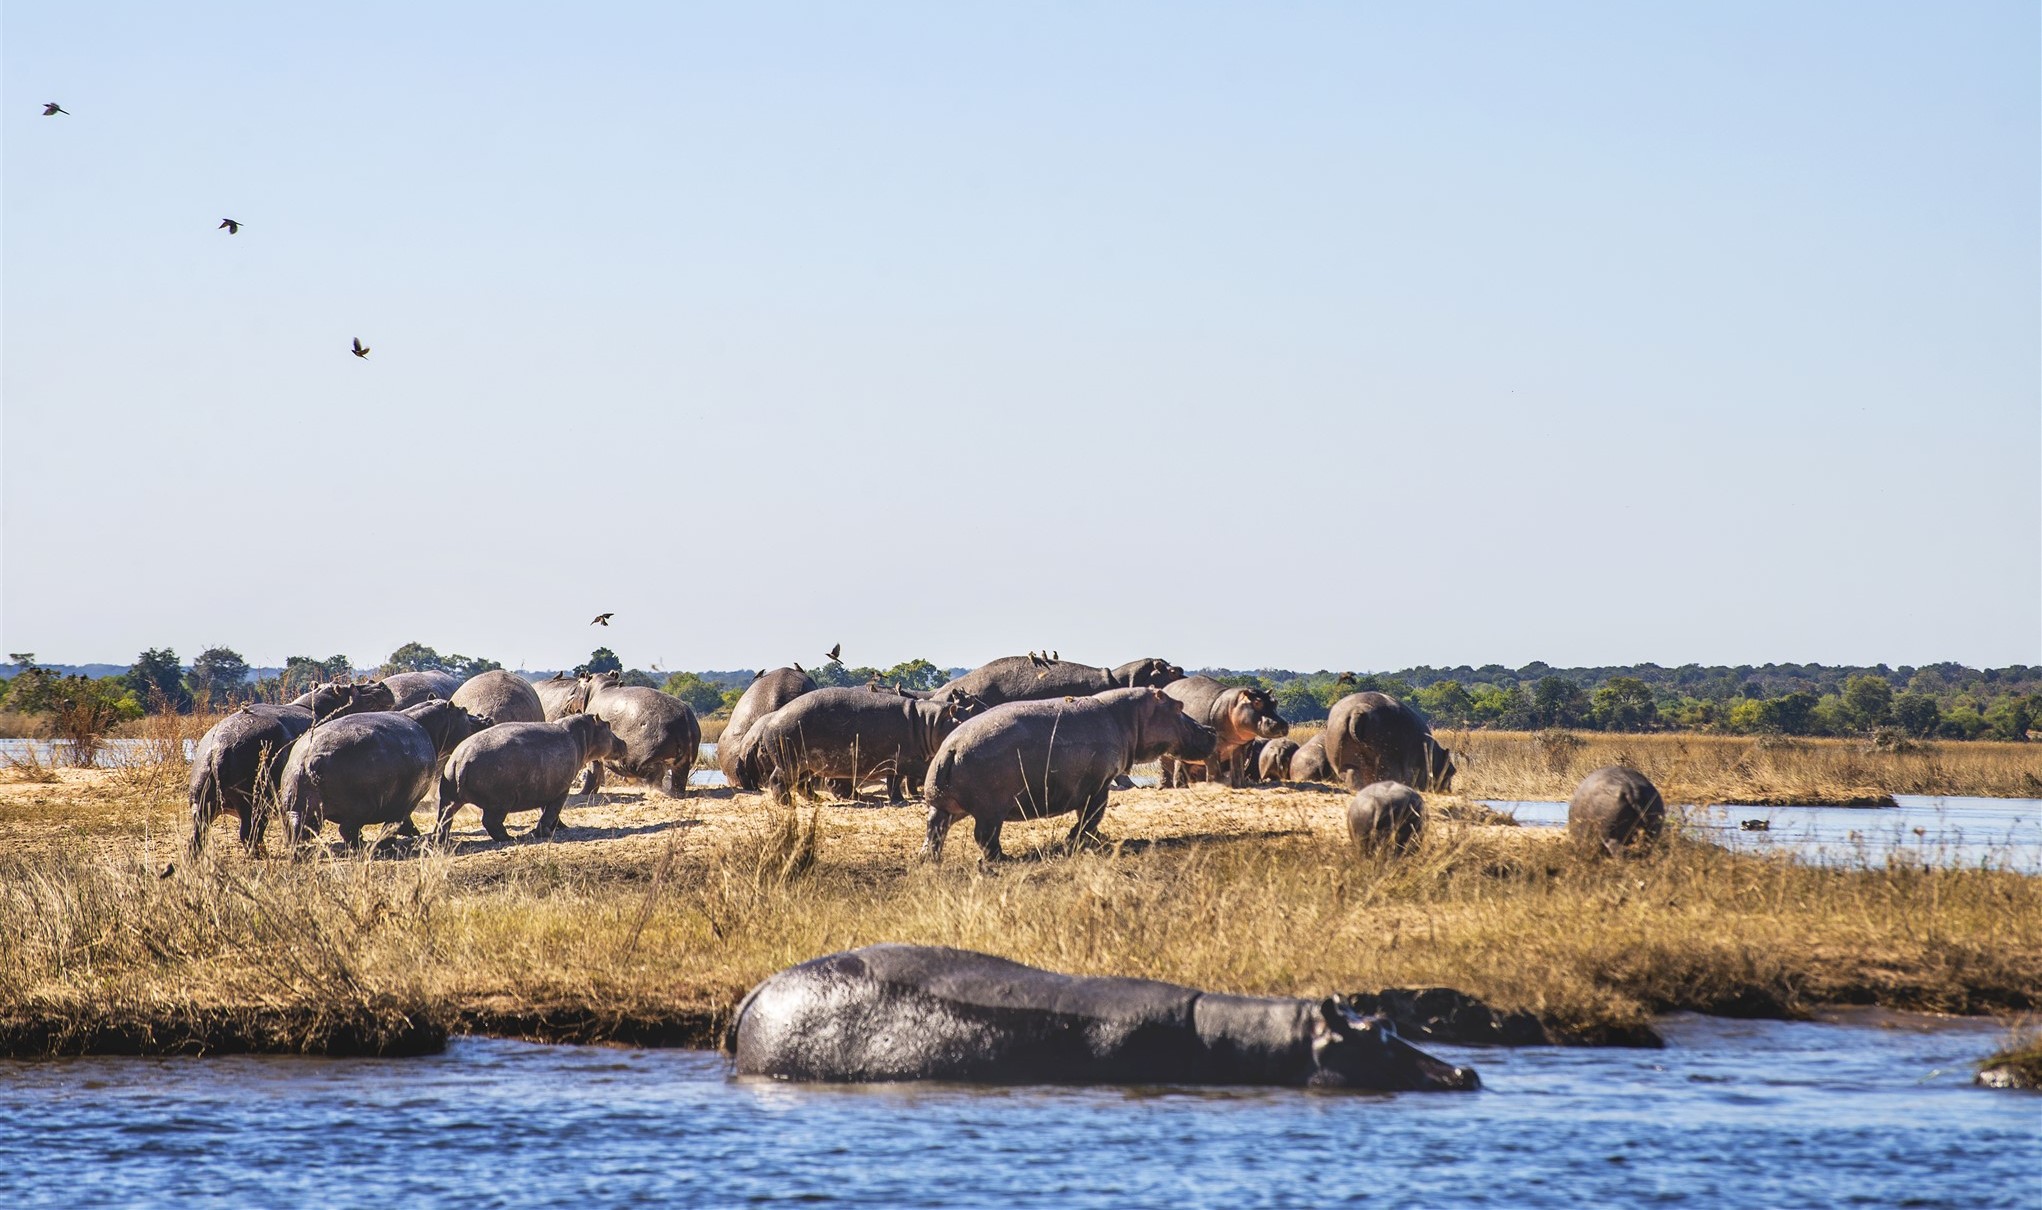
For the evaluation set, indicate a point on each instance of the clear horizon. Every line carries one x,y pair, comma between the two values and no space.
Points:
1310,337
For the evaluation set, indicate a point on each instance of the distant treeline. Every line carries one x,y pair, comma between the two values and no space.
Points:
1949,701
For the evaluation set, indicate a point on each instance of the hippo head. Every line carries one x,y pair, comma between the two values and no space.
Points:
1441,766
1254,712
1276,759
1353,1051
1147,674
1164,727
334,699
964,705
446,723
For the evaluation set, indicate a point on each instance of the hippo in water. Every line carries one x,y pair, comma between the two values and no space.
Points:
1372,737
1274,763
522,767
1386,816
235,766
1614,808
921,1012
768,692
369,768
1237,716
411,688
851,734
1029,760
1031,678
503,696
1308,763
660,734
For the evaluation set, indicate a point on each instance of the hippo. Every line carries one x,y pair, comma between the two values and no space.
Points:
1030,678
411,688
925,1012
1273,763
561,695
369,768
659,732
1387,815
1035,759
1237,716
1372,737
522,767
503,696
852,734
768,692
1614,808
1308,763
235,766
1250,758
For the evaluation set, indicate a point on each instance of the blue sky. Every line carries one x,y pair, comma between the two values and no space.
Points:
1346,335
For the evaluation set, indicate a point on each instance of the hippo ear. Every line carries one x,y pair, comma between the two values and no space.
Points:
1334,1011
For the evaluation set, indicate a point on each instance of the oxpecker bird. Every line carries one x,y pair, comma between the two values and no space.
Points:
234,228
52,109
361,350
836,653
602,619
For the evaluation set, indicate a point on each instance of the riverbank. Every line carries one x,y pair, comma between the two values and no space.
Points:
1742,770
649,917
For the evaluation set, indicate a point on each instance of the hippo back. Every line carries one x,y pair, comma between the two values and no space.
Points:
1373,737
1308,763
1614,807
767,693
561,695
408,689
501,695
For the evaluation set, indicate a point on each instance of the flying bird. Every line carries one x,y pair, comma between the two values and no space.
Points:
361,350
836,653
52,109
233,227
603,619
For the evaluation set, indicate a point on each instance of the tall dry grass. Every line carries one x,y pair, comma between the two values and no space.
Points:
651,927
1737,769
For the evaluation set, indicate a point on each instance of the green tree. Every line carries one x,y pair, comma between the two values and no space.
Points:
302,673
1624,703
1447,702
1867,701
1788,714
218,676
412,657
80,710
466,666
602,659
157,679
2009,718
1557,702
703,697
1917,714
919,675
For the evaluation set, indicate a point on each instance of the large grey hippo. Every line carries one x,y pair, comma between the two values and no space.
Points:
1308,763
921,1012
660,734
768,692
411,688
369,768
1028,760
236,763
503,696
1372,737
1032,678
522,767
1615,807
1238,715
850,735
1386,816
1275,758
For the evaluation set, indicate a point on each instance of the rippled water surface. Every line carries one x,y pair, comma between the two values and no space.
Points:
1731,1114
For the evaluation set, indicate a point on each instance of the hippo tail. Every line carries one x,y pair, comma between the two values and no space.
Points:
941,776
207,800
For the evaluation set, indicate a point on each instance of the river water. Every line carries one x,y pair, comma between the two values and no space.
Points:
1878,1112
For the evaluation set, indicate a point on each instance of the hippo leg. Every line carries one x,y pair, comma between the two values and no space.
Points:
591,779
351,836
1167,768
549,820
1086,830
845,788
675,784
893,793
450,804
987,832
492,823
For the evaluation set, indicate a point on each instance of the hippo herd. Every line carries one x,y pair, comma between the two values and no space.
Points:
1023,737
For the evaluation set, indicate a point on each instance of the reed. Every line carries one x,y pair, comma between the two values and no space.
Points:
650,917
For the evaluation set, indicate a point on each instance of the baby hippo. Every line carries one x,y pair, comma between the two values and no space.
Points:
522,767
1615,807
1386,815
369,768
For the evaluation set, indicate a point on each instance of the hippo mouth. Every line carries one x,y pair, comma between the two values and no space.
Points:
1272,728
1421,1072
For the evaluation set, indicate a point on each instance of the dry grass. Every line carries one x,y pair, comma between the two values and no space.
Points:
650,916
1520,765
